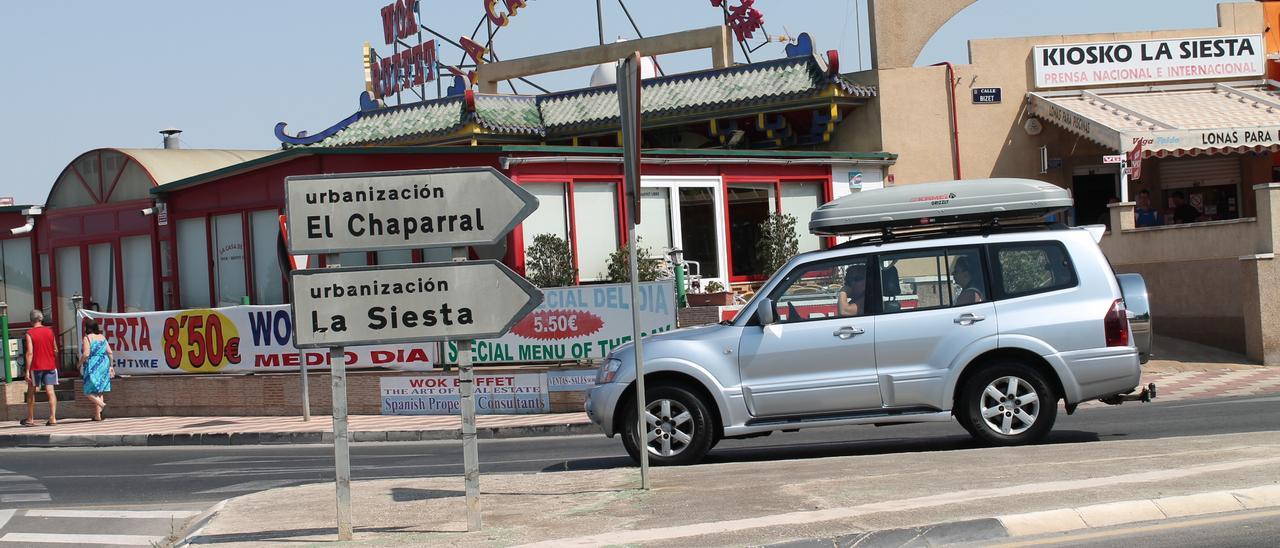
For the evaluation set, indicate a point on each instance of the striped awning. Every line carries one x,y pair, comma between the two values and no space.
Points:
1186,120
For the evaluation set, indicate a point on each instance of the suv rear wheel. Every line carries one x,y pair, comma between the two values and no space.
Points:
1008,403
679,429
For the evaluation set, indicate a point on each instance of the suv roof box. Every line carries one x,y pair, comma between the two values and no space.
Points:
946,202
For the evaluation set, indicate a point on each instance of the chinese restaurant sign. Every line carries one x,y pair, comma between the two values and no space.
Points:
236,339
578,323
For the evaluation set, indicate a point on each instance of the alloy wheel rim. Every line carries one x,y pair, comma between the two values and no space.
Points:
668,428
1009,405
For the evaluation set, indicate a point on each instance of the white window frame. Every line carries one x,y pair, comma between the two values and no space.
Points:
675,182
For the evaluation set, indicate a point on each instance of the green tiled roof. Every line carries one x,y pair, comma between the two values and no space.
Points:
509,114
735,90
399,123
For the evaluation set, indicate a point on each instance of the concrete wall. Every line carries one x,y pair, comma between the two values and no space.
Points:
236,395
901,28
1214,283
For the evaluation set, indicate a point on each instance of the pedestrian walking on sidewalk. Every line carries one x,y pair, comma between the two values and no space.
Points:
42,368
95,366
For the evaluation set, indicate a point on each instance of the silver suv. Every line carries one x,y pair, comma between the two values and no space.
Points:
990,327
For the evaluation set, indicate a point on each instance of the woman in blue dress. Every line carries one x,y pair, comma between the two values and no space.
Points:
95,366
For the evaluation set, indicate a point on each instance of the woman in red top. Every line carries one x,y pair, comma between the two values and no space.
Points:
42,368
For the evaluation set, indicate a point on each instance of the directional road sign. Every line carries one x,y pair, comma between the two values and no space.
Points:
402,210
408,303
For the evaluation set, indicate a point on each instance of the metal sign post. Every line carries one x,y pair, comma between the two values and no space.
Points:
341,445
629,109
467,400
4,341
457,301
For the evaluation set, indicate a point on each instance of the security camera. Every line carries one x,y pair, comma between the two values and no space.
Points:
148,211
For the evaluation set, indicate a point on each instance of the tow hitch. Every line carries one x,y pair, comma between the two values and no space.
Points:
1147,394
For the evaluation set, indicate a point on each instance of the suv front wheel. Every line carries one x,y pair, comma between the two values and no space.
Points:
679,429
1008,403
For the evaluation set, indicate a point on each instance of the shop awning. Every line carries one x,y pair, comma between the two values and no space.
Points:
1185,120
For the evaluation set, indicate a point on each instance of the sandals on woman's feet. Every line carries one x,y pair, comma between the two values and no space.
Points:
27,423
50,423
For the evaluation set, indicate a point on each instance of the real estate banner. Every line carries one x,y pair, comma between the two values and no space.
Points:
235,339
578,323
502,393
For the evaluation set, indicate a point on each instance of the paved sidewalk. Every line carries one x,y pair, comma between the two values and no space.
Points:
141,431
753,503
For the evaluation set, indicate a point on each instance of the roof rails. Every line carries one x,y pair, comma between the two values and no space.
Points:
980,228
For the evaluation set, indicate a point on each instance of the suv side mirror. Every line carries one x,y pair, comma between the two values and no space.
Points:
764,311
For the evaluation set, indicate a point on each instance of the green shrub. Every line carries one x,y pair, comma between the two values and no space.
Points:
778,242
549,262
619,270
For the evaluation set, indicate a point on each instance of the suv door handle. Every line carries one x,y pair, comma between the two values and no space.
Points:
968,319
846,333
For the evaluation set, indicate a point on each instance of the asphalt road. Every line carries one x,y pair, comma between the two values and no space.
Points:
155,487
197,476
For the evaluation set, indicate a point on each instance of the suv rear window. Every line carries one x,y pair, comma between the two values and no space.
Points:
1033,267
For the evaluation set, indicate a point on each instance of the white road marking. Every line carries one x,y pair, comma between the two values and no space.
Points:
24,497
251,486
128,540
111,514
4,517
901,505
17,478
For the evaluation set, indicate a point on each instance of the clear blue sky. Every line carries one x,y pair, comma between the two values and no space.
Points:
84,75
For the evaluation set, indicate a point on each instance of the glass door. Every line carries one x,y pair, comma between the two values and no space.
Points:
685,212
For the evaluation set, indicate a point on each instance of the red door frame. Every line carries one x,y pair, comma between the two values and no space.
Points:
824,196
571,209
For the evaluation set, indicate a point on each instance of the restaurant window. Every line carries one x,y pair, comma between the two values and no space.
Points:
799,200
398,256
264,227
354,258
654,230
228,256
193,263
139,278
17,287
749,205
102,279
69,285
698,236
595,216
551,217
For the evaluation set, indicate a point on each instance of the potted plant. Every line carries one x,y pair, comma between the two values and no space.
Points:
714,295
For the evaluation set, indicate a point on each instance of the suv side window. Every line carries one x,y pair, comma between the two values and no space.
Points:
932,278
1032,267
827,289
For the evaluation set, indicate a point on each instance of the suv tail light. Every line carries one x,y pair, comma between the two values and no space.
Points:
1116,325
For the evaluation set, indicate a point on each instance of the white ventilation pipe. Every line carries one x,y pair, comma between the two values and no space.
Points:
31,224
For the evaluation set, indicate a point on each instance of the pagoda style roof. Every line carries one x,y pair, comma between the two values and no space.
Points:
795,83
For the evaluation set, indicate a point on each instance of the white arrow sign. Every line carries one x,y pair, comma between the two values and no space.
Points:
402,210
408,303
